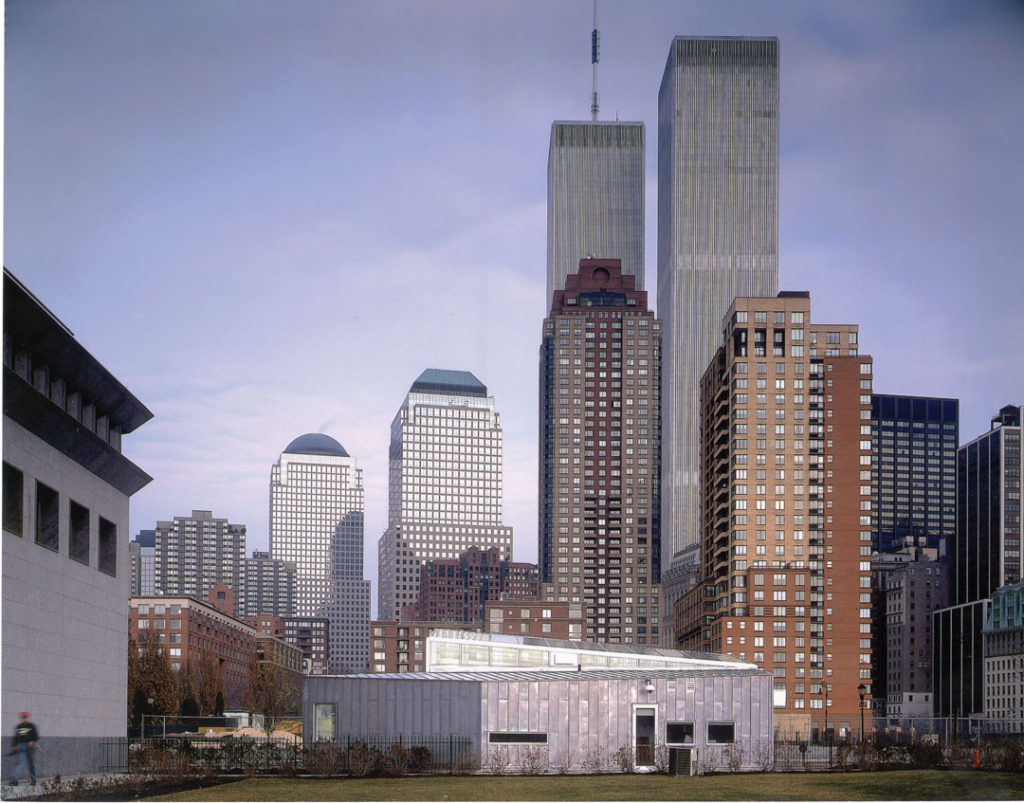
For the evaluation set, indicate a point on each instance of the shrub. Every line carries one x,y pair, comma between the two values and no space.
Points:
498,760
533,760
711,761
363,760
762,755
732,755
623,759
867,756
594,760
324,759
420,759
661,756
564,761
466,763
395,762
959,756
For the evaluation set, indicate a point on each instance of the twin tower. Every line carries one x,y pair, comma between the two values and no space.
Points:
718,231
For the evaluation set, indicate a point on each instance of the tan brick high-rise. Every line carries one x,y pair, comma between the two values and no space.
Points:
600,417
786,511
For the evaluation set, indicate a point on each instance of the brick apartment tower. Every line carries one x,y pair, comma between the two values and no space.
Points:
458,589
600,414
786,511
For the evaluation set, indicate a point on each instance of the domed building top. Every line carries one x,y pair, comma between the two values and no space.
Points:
316,443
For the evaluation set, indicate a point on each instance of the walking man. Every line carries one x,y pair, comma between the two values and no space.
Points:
24,744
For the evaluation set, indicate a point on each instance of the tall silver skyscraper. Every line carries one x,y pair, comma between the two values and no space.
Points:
718,233
316,522
595,198
444,484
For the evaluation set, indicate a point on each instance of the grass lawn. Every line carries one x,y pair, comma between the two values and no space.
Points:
902,785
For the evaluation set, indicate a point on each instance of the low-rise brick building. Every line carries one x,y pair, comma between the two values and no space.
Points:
188,628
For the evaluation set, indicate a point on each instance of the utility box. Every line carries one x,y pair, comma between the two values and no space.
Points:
682,761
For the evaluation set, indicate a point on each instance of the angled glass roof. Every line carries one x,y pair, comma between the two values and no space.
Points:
436,380
463,651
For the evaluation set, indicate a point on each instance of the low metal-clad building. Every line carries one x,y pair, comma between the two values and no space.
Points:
579,718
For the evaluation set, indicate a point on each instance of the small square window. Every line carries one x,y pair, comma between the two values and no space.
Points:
679,733
721,732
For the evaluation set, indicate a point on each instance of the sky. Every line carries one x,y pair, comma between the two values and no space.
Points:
268,217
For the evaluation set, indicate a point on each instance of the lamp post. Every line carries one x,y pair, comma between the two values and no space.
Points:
861,690
824,703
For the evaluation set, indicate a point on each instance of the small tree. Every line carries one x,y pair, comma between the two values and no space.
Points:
158,681
209,681
270,693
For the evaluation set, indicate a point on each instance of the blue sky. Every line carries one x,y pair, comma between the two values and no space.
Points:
267,218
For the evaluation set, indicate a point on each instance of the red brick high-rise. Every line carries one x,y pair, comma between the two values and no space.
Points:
457,590
786,493
600,430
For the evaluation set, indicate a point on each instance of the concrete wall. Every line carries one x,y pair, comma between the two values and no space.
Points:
65,624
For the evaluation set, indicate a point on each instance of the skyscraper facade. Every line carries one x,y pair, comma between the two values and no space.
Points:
787,520
141,563
316,522
595,197
718,176
194,553
915,440
600,367
985,556
444,483
269,586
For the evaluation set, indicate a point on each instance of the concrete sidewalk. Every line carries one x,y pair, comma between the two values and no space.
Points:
25,789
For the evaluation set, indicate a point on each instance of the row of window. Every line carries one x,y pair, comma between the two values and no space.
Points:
47,522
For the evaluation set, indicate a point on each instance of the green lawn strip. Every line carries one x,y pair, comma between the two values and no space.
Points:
902,785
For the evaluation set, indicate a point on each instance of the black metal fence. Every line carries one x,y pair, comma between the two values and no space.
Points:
263,755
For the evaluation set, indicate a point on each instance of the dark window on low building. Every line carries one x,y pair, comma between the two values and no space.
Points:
721,732
47,517
679,733
108,547
14,500
517,738
79,546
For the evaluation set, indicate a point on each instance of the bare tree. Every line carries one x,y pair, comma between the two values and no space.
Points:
271,693
209,680
152,682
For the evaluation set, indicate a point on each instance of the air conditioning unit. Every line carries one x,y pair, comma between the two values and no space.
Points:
682,761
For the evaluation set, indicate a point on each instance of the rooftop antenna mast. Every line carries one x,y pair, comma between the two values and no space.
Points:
595,56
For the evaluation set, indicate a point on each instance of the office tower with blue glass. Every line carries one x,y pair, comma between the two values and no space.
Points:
985,556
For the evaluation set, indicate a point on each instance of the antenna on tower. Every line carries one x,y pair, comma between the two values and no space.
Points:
595,56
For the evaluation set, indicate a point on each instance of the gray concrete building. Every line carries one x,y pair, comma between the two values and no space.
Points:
718,223
66,491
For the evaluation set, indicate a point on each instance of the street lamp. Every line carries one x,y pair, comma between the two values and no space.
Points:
824,703
861,690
